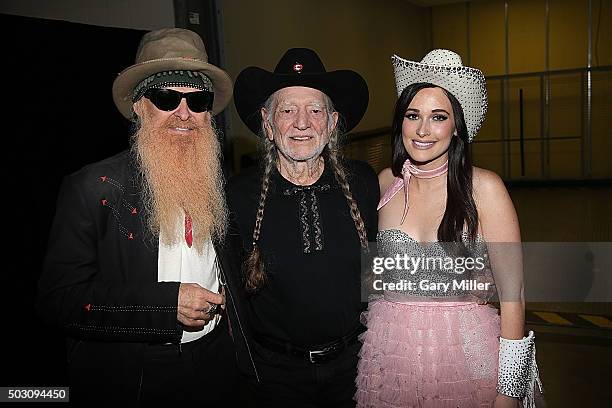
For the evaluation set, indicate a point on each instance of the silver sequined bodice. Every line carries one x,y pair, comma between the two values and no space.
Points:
437,276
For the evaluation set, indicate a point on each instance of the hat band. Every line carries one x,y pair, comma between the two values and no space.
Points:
165,79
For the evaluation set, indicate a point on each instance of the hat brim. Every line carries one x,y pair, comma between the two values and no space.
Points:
347,90
466,84
126,81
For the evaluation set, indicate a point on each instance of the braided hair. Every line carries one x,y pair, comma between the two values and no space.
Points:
256,275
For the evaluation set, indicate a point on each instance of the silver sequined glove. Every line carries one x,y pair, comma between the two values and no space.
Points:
518,371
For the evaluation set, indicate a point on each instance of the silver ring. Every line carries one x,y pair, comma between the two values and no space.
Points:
212,309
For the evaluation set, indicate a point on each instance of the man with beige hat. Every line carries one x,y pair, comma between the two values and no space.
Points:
140,264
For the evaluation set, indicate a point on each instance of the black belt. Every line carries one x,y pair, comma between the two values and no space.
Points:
316,354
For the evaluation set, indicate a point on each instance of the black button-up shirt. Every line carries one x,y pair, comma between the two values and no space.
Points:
311,250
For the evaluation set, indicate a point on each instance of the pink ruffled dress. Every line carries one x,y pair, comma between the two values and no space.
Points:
432,352
427,348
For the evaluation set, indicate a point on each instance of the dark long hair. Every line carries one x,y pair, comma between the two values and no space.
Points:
460,206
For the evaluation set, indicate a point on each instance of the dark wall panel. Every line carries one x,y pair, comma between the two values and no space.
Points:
57,115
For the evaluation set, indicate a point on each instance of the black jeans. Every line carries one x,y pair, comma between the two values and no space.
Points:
289,381
203,372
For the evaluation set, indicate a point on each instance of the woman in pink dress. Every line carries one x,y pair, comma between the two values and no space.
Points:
432,341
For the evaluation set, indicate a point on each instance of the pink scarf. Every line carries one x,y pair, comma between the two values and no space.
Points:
409,169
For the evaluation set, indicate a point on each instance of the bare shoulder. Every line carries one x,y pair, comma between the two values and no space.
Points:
488,186
385,178
498,219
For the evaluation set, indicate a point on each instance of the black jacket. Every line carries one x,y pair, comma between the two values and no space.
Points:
99,281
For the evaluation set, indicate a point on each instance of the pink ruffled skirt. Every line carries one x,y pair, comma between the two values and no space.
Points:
428,354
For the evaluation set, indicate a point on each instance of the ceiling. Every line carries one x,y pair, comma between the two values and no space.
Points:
429,3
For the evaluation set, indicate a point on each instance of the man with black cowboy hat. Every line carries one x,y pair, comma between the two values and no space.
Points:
306,217
137,270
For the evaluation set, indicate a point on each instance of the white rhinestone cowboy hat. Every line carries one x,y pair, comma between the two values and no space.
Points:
445,69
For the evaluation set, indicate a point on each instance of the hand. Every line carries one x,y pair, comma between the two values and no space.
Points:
194,302
222,292
503,401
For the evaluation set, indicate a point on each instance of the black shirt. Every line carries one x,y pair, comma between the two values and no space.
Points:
312,294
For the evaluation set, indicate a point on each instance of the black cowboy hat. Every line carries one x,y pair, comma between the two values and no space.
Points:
300,67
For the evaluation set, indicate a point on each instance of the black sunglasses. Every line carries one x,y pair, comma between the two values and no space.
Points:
168,99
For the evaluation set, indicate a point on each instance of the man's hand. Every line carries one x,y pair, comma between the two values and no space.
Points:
194,302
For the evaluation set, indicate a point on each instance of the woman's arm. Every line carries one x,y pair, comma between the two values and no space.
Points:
500,229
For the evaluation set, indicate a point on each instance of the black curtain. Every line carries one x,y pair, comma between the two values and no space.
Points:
57,116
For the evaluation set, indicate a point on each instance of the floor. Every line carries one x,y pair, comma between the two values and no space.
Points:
574,367
574,353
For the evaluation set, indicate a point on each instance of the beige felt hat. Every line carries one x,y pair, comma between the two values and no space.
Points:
170,49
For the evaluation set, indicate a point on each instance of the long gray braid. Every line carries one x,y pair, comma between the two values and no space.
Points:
256,275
